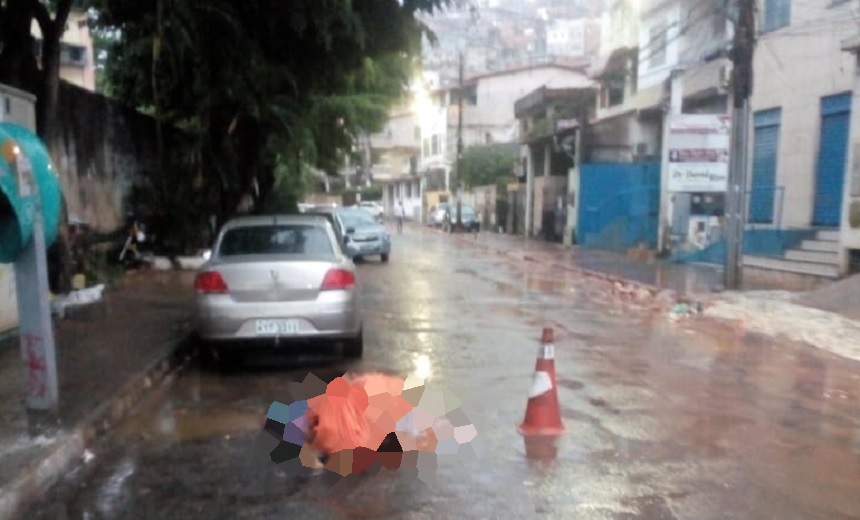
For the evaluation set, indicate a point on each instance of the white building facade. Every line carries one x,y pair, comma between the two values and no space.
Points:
803,105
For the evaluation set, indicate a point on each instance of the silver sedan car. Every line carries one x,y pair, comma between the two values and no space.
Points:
278,279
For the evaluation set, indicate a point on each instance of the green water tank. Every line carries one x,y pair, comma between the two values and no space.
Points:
25,162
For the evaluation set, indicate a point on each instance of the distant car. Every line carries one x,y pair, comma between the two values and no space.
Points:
469,219
364,236
437,214
277,280
372,207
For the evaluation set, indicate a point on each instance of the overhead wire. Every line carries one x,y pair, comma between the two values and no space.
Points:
682,31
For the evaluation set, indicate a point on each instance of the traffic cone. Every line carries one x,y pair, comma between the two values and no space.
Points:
543,416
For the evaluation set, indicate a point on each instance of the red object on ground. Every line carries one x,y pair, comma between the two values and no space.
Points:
357,412
543,415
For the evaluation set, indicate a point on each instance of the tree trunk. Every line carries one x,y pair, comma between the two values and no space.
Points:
18,67
49,91
49,87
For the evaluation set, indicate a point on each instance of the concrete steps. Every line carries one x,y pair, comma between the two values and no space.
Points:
818,257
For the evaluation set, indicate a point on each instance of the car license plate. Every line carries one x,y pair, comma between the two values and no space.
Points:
367,247
277,327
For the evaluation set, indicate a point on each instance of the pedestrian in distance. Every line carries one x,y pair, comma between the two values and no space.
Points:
399,214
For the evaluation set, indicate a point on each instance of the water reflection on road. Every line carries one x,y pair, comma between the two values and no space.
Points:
665,421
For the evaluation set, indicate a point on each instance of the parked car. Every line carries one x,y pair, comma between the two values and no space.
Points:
339,230
277,280
374,208
469,219
437,215
364,235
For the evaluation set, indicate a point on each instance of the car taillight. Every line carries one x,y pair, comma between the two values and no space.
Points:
210,282
338,280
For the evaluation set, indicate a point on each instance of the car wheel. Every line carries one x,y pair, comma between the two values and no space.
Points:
384,258
354,347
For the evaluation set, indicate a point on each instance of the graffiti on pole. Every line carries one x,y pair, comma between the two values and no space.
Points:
37,366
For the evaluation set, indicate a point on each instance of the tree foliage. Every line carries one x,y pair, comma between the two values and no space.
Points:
267,87
488,164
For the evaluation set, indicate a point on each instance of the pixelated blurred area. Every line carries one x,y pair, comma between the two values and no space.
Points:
362,424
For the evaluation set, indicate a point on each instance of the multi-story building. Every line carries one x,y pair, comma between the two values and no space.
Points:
489,99
802,106
649,47
77,61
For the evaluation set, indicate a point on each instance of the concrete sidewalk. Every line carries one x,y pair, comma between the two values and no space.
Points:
661,275
108,359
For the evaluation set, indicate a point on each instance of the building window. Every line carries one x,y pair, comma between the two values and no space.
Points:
73,55
426,148
615,91
437,145
656,50
777,14
417,133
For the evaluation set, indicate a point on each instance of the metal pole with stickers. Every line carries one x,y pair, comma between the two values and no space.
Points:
30,199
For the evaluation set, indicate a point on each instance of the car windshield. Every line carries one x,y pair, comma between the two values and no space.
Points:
284,239
355,219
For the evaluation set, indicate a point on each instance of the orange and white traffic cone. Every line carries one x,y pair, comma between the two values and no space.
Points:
543,416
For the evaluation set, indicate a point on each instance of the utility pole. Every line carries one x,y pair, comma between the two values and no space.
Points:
460,104
741,55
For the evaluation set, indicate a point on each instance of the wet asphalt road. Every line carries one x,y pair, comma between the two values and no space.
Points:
665,421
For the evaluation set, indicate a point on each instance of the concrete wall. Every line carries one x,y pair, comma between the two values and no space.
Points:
794,68
100,149
850,230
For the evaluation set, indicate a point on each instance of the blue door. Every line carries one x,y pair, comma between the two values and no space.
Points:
765,148
832,151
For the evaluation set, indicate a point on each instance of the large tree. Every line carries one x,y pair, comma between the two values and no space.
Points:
21,67
488,164
263,83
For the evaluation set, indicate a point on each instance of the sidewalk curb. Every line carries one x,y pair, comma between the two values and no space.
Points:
36,479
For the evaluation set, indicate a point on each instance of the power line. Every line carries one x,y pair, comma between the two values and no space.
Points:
681,32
